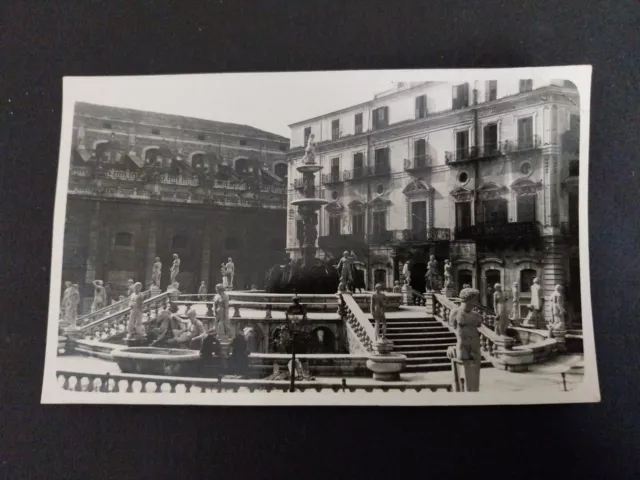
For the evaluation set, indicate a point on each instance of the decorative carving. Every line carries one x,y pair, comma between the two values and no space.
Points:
461,194
334,208
417,187
523,186
357,206
490,191
379,204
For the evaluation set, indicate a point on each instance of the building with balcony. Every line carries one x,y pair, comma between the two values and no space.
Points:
146,184
483,173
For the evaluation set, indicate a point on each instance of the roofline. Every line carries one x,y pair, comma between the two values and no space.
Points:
342,110
260,131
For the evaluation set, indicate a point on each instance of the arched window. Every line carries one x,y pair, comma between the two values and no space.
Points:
123,239
151,155
102,151
198,162
242,166
526,279
281,170
179,241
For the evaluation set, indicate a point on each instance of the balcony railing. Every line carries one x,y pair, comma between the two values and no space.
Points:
379,169
477,152
510,230
332,178
417,163
407,236
519,145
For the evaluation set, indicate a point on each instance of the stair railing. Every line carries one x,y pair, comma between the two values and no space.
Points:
418,298
108,310
103,329
358,324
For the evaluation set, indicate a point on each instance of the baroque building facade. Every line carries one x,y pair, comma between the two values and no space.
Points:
144,185
482,173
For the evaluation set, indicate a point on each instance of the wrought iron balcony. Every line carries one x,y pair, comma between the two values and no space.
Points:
522,145
419,162
478,152
511,230
332,178
421,235
376,170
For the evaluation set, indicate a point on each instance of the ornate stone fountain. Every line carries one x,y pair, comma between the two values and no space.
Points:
309,205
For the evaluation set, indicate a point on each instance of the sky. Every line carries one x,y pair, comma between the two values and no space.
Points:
266,101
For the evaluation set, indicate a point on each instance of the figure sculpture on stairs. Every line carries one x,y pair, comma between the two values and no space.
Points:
100,296
175,268
378,306
156,274
500,309
466,323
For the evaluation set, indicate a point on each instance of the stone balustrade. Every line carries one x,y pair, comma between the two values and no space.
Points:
108,310
132,383
359,328
418,298
109,326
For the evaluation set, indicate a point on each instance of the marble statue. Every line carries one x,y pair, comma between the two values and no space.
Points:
396,287
251,339
72,305
447,274
175,268
406,273
196,330
466,323
135,326
310,149
230,271
515,308
202,291
223,275
500,309
378,306
156,273
558,309
345,268
221,311
64,304
130,283
100,296
432,269
535,308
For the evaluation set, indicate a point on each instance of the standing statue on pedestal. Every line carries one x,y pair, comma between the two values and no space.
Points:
345,268
223,275
230,271
432,268
378,306
396,287
202,291
500,309
515,309
64,304
447,274
130,283
535,306
558,310
466,324
175,268
310,150
406,273
156,273
100,296
221,311
72,306
135,326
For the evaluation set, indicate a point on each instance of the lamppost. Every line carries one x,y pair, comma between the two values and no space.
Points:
296,314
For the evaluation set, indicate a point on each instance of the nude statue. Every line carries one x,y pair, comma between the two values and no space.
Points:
558,310
223,275
378,306
535,307
466,323
156,274
515,309
221,310
447,274
346,272
432,267
130,284
202,291
500,309
396,287
406,273
175,268
64,304
310,149
100,296
230,271
135,325
72,309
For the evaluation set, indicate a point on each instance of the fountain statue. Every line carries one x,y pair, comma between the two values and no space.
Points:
175,268
156,274
467,350
500,308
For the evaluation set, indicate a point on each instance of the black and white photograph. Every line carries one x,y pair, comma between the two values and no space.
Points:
380,237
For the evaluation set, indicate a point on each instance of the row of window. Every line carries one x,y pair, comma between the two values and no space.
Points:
493,276
181,242
459,97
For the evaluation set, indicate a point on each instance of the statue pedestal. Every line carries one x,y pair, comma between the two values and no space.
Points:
155,291
514,360
385,365
407,295
173,295
505,343
560,336
466,373
136,340
72,332
428,302
448,291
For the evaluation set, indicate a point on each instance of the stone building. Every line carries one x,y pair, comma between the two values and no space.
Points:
483,173
145,184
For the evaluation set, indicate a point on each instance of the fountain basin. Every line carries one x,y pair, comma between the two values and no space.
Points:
157,361
310,202
309,168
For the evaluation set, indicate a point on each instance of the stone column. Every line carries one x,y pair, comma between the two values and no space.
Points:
553,272
428,303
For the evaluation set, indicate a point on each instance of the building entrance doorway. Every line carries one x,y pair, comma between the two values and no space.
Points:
418,271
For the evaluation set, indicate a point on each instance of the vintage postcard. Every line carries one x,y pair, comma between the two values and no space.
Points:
394,237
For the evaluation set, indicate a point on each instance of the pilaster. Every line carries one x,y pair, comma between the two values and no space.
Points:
553,270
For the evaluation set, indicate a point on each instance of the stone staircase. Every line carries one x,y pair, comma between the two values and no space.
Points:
423,340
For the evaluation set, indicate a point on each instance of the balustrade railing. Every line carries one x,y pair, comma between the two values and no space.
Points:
418,298
357,321
108,310
111,325
132,383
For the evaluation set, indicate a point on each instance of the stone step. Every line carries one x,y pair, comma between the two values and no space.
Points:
421,335
409,347
424,341
422,353
391,329
426,360
438,367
